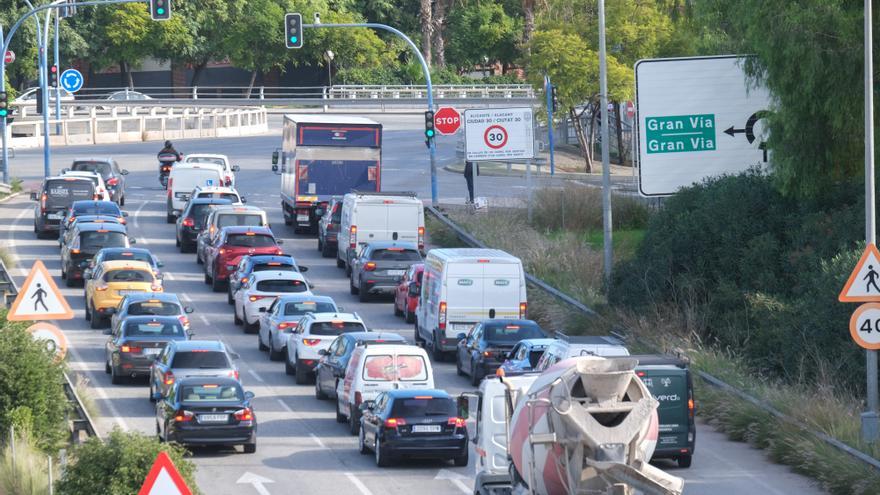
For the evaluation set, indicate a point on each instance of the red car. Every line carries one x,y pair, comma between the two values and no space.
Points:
406,297
222,256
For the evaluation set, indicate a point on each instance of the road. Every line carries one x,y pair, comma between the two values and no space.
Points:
301,448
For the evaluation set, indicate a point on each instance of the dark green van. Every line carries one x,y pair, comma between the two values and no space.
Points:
669,381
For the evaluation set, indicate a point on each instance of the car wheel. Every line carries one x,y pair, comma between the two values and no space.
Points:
326,251
363,295
229,299
302,374
320,244
152,390
362,444
273,354
458,370
250,448
476,374
351,287
63,273
684,461
407,316
250,327
235,318
260,345
158,432
199,260
169,218
288,368
107,367
397,311
69,282
436,352
207,278
348,270
122,200
216,285
354,421
177,242
417,337
319,394
462,460
381,460
86,312
340,418
96,321
114,378
340,263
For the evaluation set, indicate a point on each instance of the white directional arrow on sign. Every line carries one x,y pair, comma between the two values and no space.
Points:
249,478
456,479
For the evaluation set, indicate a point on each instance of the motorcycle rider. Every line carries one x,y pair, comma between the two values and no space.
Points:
169,150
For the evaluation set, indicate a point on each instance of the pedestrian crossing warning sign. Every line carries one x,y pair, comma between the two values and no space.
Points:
864,282
164,479
40,299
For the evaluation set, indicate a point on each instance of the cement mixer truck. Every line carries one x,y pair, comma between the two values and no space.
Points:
586,425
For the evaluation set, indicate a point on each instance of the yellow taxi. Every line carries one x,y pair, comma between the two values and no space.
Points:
110,281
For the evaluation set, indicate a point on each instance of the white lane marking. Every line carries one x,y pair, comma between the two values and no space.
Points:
358,484
169,276
186,298
285,406
255,480
137,225
255,375
204,319
454,478
317,440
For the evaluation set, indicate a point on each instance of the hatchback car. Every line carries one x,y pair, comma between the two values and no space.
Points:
55,195
151,304
191,358
191,221
413,424
110,282
86,219
247,265
223,254
208,411
524,356
261,289
127,254
406,297
90,208
227,216
379,266
487,345
331,367
136,341
101,191
328,228
281,318
84,241
314,333
113,175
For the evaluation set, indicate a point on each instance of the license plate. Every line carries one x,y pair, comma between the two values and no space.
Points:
302,218
126,292
54,216
213,418
183,196
152,351
426,428
396,273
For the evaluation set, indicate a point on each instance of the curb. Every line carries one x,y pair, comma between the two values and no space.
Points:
11,195
564,175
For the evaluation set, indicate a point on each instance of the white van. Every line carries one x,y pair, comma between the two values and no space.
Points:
380,216
377,368
183,179
461,287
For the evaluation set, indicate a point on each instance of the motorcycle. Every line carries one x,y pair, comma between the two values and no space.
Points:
166,163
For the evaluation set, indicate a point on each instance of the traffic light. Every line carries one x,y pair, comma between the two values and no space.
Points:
293,30
555,99
53,76
160,10
429,128
4,104
69,10
39,100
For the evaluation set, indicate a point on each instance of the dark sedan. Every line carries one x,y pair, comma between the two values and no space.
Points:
250,264
413,424
485,348
207,411
113,175
135,342
98,209
379,266
191,222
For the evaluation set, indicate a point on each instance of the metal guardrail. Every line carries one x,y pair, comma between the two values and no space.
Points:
706,377
81,425
8,287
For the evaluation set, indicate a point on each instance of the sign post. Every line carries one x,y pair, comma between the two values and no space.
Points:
871,417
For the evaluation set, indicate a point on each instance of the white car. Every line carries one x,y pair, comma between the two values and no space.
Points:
314,333
218,192
30,96
222,160
254,296
282,317
101,192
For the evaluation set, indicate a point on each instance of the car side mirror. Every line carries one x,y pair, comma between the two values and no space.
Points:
319,212
279,241
461,336
235,355
248,395
65,170
188,309
302,269
275,168
274,161
123,172
160,264
340,309
132,240
413,289
124,213
87,274
33,196
243,200
236,168
262,310
190,334
323,352
157,395
463,403
367,405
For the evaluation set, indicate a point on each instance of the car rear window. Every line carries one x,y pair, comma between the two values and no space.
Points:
233,219
275,265
534,357
97,209
102,168
512,333
211,393
396,254
199,213
61,192
203,159
301,308
383,367
424,407
128,255
337,213
154,329
254,240
95,240
218,195
282,285
335,327
127,275
153,307
200,359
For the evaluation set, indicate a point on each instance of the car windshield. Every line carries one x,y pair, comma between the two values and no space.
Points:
220,195
200,359
275,265
534,357
512,333
250,240
154,329
233,219
128,256
129,275
62,192
282,285
102,168
301,308
336,327
153,307
205,159
416,407
395,254
97,209
95,240
211,393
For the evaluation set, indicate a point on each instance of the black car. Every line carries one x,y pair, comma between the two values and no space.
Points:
89,208
83,243
413,424
328,228
207,411
249,264
55,195
114,177
488,344
379,266
135,342
334,361
191,222
67,226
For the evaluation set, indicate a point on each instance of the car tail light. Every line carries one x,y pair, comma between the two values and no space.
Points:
393,423
311,342
442,316
244,280
183,416
523,306
244,414
156,288
279,252
183,320
228,181
370,266
222,251
121,220
691,405
169,378
421,237
129,348
101,288
358,398
487,353
257,298
71,219
456,422
113,181
640,373
284,325
43,199
234,374
352,236
74,251
189,222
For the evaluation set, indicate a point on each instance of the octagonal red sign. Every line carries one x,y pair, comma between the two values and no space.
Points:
447,120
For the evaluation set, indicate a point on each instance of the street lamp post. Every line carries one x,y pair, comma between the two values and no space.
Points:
606,167
328,57
870,418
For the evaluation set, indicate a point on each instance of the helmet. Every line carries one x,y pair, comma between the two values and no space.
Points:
168,144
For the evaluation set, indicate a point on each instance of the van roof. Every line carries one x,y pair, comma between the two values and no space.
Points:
660,360
473,255
397,349
328,119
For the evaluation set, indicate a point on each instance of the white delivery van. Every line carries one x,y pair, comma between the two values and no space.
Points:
379,216
378,367
461,287
183,179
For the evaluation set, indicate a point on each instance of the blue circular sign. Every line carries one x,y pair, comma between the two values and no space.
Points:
72,80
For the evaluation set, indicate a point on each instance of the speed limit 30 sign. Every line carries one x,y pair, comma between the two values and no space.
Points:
499,134
864,326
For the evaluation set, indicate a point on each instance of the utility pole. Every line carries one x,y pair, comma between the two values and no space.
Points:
4,155
870,418
606,166
57,61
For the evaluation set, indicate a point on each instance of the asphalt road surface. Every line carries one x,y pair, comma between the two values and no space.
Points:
301,448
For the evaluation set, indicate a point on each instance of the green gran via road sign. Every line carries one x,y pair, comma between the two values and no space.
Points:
680,133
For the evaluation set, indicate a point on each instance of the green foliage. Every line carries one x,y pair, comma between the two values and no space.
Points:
31,393
119,465
25,473
481,29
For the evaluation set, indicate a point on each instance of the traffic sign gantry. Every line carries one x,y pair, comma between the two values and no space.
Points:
863,284
447,120
163,479
39,298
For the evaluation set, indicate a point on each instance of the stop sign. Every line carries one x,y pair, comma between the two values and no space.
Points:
630,109
9,57
447,120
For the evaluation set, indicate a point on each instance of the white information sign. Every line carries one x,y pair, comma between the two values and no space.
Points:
499,134
697,118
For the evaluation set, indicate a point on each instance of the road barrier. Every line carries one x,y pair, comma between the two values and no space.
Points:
79,422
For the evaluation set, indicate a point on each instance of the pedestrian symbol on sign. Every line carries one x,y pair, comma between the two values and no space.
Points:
871,277
39,294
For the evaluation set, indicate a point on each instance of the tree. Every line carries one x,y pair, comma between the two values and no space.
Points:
482,30
121,34
195,35
427,27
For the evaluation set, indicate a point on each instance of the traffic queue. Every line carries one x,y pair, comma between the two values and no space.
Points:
466,305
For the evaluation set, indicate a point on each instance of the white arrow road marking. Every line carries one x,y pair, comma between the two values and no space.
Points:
455,479
249,478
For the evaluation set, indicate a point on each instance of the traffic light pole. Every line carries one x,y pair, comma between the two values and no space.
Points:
432,149
57,64
548,91
5,153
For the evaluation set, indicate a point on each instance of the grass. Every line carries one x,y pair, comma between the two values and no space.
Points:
25,473
85,394
7,258
624,241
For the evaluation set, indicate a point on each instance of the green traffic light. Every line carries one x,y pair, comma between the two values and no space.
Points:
2,113
293,39
429,133
160,11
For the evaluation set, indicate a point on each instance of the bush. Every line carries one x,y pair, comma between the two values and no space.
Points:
579,208
27,472
119,466
31,391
